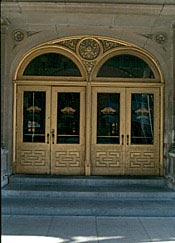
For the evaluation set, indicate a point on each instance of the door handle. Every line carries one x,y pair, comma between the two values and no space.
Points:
48,138
127,139
122,139
53,135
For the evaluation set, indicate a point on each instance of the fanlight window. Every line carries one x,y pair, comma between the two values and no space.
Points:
52,64
125,66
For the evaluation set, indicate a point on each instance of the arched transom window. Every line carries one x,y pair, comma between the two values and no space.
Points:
89,58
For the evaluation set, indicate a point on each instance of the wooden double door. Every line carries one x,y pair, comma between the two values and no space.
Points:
107,131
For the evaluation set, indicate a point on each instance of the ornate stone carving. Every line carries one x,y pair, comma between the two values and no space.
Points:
89,65
161,37
107,45
71,44
18,35
89,49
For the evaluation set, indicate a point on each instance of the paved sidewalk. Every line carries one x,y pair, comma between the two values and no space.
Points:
79,229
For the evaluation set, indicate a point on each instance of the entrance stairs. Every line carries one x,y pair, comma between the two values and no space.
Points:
87,196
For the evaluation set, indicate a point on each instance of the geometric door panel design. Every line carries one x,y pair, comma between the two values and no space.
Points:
146,163
33,157
106,161
68,162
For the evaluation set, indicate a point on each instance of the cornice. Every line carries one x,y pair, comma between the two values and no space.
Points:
146,2
103,7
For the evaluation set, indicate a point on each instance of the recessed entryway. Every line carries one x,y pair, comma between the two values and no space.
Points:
88,110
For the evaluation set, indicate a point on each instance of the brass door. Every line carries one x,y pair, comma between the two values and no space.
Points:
125,131
50,130
33,128
67,131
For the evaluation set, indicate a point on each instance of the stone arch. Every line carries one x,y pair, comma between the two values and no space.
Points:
89,53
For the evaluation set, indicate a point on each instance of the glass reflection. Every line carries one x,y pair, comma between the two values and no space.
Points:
108,118
34,116
125,66
68,117
142,119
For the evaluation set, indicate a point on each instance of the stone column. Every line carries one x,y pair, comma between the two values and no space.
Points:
171,154
4,149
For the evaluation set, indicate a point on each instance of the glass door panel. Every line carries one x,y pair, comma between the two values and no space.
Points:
108,127
68,130
142,131
108,118
68,117
142,118
34,116
33,129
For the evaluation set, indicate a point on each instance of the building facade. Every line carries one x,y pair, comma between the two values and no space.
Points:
88,87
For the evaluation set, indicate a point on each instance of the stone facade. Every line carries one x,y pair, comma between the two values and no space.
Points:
147,24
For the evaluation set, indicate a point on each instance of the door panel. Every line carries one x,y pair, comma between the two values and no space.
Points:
107,154
50,130
142,131
33,148
125,131
67,128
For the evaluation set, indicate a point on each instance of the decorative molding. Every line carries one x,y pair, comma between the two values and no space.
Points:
89,65
108,45
70,44
89,49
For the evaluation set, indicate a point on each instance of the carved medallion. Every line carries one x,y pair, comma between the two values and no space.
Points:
18,35
89,49
161,37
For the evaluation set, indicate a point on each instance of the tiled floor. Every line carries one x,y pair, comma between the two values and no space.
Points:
79,229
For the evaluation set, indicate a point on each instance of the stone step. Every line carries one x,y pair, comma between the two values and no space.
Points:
117,192
88,207
114,188
74,195
86,180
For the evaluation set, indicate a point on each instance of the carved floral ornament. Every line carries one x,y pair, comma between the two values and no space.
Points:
89,49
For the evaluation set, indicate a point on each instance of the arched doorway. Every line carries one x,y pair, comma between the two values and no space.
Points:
88,106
